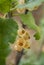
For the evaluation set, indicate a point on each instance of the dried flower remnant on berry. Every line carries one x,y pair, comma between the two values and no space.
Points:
21,32
20,42
26,36
26,45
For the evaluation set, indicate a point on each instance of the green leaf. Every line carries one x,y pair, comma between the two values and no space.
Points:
8,33
28,20
6,5
2,61
37,36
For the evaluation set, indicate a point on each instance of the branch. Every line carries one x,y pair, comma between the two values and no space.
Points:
18,57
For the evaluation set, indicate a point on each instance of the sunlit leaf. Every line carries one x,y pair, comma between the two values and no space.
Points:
28,20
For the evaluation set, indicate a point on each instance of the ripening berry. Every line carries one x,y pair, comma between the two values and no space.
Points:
21,1
21,10
21,32
20,42
18,48
24,34
26,45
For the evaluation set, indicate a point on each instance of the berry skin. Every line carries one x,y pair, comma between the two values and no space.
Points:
19,44
21,1
26,45
23,34
18,48
26,36
21,10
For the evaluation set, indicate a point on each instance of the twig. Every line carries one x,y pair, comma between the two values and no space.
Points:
18,57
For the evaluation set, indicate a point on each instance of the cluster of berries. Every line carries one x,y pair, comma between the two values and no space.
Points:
22,10
22,41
